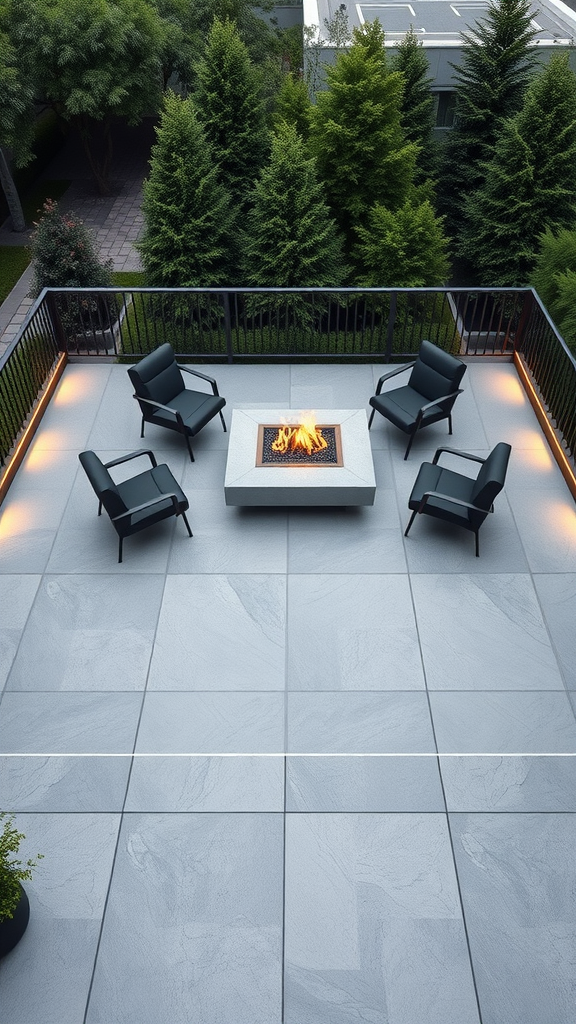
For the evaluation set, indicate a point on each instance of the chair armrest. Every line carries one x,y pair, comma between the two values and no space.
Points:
158,405
203,376
455,451
453,501
393,373
147,504
133,455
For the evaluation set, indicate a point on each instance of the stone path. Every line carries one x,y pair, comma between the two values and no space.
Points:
115,219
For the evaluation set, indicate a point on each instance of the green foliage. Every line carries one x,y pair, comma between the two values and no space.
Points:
530,182
92,60
181,39
13,262
188,238
229,103
291,241
356,133
64,253
556,255
402,249
495,69
417,116
12,870
293,105
16,101
554,278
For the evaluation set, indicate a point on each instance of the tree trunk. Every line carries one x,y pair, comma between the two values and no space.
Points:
11,193
98,153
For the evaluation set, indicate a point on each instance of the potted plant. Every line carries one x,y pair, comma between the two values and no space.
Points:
14,906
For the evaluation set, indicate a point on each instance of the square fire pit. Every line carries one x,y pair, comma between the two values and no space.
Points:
254,477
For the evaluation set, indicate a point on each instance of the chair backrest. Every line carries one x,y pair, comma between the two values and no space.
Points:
436,373
103,484
157,376
490,479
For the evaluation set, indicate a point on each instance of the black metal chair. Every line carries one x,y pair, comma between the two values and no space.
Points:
164,399
428,396
458,499
138,502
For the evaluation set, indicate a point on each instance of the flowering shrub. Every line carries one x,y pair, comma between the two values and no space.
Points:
65,254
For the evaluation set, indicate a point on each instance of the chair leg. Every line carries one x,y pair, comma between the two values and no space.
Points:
371,418
187,439
99,508
120,549
412,518
449,422
190,534
223,421
412,436
477,544
142,428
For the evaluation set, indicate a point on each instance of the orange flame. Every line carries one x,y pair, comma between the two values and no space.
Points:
303,437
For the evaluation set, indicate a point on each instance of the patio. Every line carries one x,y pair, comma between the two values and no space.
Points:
298,769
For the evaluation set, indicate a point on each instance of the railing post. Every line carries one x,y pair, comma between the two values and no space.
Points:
391,323
227,325
57,327
523,320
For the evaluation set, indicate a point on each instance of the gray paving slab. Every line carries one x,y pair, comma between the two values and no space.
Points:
312,632
516,870
372,937
220,959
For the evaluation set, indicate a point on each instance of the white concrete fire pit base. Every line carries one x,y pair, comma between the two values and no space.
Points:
249,484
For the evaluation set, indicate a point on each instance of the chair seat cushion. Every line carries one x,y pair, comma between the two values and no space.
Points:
195,407
402,406
145,487
436,478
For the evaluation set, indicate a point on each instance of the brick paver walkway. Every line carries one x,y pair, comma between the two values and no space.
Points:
116,219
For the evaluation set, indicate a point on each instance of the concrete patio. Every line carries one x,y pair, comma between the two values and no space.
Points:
298,769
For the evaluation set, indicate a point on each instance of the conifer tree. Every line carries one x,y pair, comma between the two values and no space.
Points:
293,105
229,102
496,66
188,238
402,249
556,255
530,182
356,133
417,117
291,239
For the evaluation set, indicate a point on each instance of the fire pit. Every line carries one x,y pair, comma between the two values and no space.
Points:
287,458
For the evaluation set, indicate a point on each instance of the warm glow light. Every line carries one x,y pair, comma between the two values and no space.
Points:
563,517
529,440
305,436
72,388
539,459
508,389
50,439
40,458
17,518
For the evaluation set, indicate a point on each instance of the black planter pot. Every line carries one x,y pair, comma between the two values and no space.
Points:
12,929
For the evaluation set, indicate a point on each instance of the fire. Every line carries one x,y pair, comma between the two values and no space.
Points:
303,437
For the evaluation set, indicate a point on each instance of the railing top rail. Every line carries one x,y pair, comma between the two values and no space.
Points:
114,289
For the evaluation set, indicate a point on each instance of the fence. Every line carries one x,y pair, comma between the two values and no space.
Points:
215,325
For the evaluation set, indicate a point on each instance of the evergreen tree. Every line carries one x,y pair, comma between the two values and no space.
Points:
293,105
530,182
556,256
188,238
291,241
229,102
417,117
402,249
497,63
356,133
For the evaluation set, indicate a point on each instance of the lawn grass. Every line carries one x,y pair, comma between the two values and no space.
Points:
13,262
129,278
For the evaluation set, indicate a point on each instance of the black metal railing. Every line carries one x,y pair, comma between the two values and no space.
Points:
378,325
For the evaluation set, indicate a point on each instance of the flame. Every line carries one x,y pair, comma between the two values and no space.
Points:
303,437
